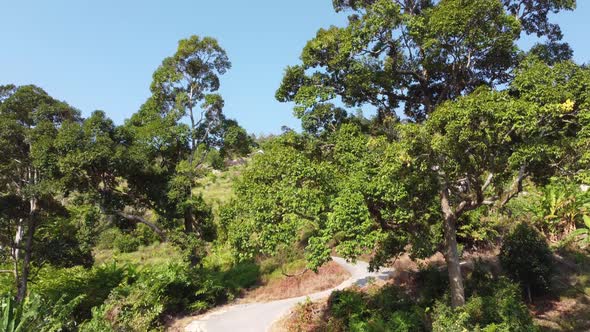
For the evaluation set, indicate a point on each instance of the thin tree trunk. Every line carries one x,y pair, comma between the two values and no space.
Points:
188,220
451,253
528,292
16,249
26,265
188,211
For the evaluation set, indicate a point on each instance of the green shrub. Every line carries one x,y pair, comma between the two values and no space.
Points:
556,209
98,323
126,243
6,280
36,314
89,288
106,239
347,304
480,281
13,318
407,321
385,309
389,299
526,258
145,235
140,303
214,159
445,319
500,310
493,305
58,243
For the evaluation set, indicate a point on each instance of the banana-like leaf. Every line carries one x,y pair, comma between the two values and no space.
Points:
578,232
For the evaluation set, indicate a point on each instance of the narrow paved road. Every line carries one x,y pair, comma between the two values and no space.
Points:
258,317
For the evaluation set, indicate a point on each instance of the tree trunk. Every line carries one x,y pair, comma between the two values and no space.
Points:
28,251
528,293
451,253
18,237
188,220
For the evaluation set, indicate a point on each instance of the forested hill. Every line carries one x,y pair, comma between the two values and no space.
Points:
431,141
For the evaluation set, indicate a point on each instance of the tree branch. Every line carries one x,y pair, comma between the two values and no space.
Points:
516,187
139,219
487,183
294,275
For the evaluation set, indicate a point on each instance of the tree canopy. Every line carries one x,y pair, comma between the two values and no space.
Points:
412,56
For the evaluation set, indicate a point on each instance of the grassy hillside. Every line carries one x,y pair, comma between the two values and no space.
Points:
216,188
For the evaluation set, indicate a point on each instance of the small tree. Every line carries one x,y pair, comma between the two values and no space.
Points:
526,258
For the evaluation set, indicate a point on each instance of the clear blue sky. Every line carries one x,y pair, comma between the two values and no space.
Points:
101,54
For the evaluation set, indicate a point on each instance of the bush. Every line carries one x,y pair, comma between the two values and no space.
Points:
215,160
58,243
347,305
307,317
141,303
145,235
556,209
526,258
500,310
106,239
242,275
493,305
38,314
89,288
126,243
15,317
385,309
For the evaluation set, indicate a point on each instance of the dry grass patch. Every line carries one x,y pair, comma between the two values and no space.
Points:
303,283
307,316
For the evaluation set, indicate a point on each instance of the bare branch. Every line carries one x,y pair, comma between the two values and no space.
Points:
487,183
294,275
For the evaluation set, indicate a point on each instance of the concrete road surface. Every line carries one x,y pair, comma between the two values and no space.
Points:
258,317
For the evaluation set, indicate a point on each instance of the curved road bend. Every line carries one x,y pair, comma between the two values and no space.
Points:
258,317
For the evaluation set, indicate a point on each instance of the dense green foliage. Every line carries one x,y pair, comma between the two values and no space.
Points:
359,191
412,56
556,209
107,227
493,304
525,256
500,310
72,187
388,309
143,299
